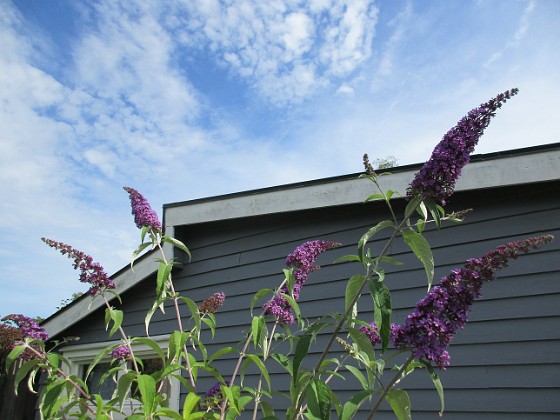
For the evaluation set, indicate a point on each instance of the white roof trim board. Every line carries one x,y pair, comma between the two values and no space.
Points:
497,170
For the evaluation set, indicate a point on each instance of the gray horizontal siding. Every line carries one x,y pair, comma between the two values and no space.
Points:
504,363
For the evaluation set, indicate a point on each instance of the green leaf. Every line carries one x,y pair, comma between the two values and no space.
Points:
347,258
259,331
258,295
221,352
123,386
370,233
151,344
374,197
359,375
319,400
190,404
353,290
351,406
382,309
14,354
116,316
437,383
258,362
147,387
162,282
137,252
400,403
362,341
23,370
177,244
421,248
294,305
302,348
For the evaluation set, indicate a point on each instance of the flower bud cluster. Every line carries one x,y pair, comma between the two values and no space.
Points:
121,353
302,259
212,304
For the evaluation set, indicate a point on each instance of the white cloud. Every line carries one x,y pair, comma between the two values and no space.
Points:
286,55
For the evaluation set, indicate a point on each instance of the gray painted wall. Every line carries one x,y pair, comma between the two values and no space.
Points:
505,363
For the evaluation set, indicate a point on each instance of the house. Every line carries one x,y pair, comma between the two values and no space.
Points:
504,363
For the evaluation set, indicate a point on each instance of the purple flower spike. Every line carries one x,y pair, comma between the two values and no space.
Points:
429,329
371,332
302,259
121,353
436,179
144,215
213,397
90,272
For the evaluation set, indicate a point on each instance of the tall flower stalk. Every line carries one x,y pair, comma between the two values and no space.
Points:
437,177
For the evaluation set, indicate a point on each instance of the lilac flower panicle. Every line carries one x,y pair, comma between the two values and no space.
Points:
428,330
371,332
121,353
213,303
90,271
28,327
302,259
436,179
143,213
213,397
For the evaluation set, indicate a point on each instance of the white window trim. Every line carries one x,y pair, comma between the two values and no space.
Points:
82,354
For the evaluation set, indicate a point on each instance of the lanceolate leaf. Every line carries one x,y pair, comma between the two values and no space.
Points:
350,407
353,289
400,403
258,295
369,234
177,244
382,310
421,248
302,348
437,383
147,387
319,400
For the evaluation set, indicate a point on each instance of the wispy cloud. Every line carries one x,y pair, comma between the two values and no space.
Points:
518,35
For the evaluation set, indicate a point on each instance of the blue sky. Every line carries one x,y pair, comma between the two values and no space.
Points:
185,99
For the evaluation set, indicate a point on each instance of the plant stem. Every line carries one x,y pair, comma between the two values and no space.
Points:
390,386
155,239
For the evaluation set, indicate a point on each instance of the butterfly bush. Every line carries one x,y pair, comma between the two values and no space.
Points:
302,259
143,213
436,179
425,334
90,271
444,310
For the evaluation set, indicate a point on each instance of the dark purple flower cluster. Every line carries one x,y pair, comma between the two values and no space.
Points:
212,304
213,397
302,259
121,353
144,215
436,179
371,332
28,327
90,271
429,329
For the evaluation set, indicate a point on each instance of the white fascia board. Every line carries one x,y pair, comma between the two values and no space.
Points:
499,171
